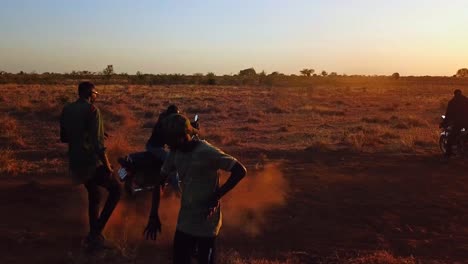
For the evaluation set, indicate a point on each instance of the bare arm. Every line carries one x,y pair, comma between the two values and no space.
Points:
238,172
154,223
154,213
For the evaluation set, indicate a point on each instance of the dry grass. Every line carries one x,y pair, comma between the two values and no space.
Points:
118,115
374,120
8,163
380,118
323,110
381,257
221,136
9,132
203,109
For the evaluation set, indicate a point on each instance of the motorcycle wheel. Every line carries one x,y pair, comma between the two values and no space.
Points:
443,143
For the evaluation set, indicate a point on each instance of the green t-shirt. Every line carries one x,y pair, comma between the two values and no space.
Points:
82,128
198,172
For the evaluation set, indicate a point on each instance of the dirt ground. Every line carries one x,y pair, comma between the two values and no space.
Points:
337,174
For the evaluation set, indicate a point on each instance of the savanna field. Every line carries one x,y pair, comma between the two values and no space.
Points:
337,173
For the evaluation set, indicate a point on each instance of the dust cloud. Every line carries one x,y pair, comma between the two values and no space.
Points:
245,208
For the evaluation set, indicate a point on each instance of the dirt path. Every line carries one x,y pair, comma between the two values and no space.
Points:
338,204
409,205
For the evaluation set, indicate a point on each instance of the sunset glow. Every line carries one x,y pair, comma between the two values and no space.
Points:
352,37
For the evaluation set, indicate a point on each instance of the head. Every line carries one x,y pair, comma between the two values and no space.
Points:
457,93
172,109
177,131
86,90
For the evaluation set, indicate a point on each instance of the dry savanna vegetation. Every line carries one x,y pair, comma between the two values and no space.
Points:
338,173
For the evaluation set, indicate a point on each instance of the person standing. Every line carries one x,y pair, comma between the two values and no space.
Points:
197,163
82,128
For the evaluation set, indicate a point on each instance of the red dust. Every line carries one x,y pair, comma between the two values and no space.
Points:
244,208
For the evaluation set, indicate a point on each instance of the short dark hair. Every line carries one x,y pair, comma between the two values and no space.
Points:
85,89
172,109
457,92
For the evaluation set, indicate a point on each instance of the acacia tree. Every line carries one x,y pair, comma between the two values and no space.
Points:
307,72
324,73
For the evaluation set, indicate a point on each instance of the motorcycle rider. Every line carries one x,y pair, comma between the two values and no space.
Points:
155,143
81,126
147,163
456,116
197,162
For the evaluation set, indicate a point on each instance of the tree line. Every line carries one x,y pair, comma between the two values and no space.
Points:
247,76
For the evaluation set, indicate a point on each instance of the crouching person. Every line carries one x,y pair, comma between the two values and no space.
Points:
197,163
81,126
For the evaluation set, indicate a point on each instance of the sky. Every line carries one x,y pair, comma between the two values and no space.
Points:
173,36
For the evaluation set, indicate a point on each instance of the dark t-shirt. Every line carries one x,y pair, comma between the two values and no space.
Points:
157,136
457,111
82,127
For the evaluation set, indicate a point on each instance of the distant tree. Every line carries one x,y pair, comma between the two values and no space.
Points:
324,73
3,72
263,78
210,78
396,76
275,73
197,78
109,70
333,74
307,72
74,75
248,72
462,73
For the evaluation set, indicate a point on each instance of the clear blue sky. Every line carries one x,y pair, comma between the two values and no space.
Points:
354,37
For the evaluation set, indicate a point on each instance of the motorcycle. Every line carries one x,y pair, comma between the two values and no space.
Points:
459,147
140,171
